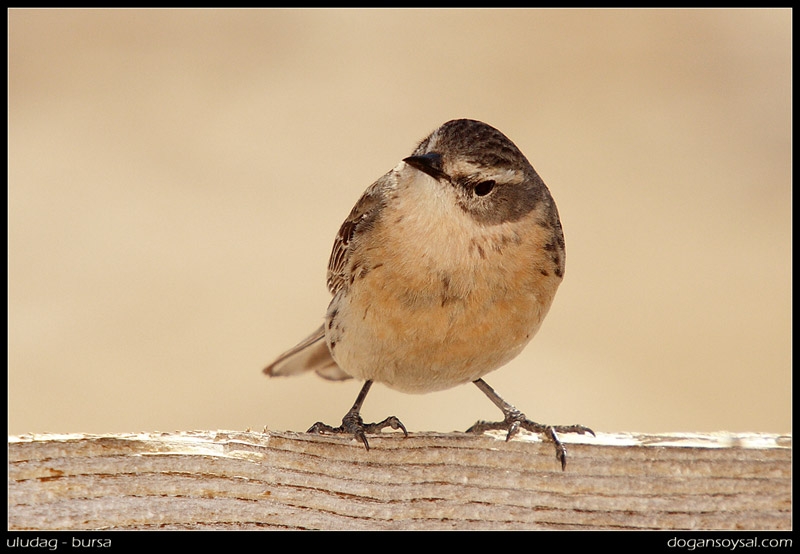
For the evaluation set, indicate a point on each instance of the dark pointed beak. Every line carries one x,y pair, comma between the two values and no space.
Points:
429,163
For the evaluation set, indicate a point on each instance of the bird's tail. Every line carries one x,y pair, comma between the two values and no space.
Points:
311,354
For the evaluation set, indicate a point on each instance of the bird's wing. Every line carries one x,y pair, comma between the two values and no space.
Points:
312,353
361,218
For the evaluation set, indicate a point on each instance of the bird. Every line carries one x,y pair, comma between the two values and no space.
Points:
442,272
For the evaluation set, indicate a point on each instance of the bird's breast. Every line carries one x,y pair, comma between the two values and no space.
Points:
438,299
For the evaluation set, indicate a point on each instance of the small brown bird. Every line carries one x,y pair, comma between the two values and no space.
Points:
442,272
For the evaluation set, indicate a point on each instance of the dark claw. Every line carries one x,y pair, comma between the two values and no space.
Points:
390,421
512,430
359,434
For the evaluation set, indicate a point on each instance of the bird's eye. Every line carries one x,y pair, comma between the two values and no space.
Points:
484,187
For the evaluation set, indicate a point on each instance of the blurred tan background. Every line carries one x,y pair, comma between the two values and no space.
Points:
177,177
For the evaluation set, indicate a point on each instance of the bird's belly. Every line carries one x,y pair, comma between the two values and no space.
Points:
423,339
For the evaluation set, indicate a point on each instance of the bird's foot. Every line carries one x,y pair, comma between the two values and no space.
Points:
515,420
352,424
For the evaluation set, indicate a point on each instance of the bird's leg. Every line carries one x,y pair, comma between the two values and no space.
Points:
353,424
514,419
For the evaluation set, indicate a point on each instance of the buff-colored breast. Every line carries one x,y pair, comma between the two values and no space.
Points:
438,299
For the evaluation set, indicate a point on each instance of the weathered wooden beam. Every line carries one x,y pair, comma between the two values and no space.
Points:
249,480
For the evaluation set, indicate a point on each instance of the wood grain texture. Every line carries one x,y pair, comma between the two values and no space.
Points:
284,480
